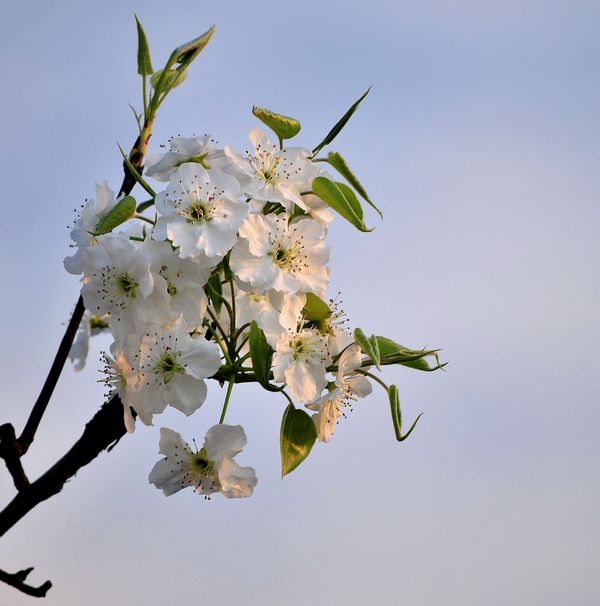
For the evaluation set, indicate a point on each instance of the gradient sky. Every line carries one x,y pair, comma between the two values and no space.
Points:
480,142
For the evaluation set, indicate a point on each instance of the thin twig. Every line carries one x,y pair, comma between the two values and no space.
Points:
17,580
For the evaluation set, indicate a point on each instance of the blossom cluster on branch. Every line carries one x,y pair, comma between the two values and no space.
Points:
222,274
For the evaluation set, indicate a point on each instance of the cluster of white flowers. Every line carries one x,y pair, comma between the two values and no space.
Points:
235,241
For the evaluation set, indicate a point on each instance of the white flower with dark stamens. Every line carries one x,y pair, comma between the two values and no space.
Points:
200,212
318,210
275,254
200,150
271,174
85,225
118,277
183,285
172,368
209,470
300,360
349,386
120,379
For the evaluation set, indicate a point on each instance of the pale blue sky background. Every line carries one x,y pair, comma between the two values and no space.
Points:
480,141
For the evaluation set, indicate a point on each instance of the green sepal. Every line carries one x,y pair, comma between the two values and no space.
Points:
261,355
394,399
122,211
144,63
297,437
368,346
334,132
342,199
283,126
214,292
171,79
337,161
393,353
315,309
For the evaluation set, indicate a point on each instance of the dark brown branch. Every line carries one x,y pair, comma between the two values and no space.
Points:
106,428
37,412
17,580
9,452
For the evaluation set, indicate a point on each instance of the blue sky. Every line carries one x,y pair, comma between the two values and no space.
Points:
479,141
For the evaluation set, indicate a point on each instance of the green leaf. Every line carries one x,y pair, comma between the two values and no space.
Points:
397,414
121,212
186,53
171,79
144,63
367,347
135,174
298,434
261,355
214,291
336,160
393,353
283,126
315,309
342,199
334,132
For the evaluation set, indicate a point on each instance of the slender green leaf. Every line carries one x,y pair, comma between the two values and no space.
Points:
367,346
135,174
283,126
215,292
315,309
392,353
335,131
122,211
186,53
341,198
298,435
397,414
171,79
336,160
144,63
261,355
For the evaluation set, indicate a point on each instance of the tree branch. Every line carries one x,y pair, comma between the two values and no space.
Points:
10,454
37,412
17,580
105,428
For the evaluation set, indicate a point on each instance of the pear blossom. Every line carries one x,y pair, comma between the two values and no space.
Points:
209,470
89,326
183,149
120,379
275,253
271,174
117,277
300,360
200,212
181,292
349,386
172,367
85,224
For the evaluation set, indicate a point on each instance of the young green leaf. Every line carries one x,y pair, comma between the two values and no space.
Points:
298,435
342,199
171,79
315,309
214,291
335,131
186,53
283,126
144,63
397,414
366,346
121,212
336,160
261,355
392,353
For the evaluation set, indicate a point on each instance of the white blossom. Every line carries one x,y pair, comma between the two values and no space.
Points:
274,253
271,174
200,212
200,150
209,470
349,386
